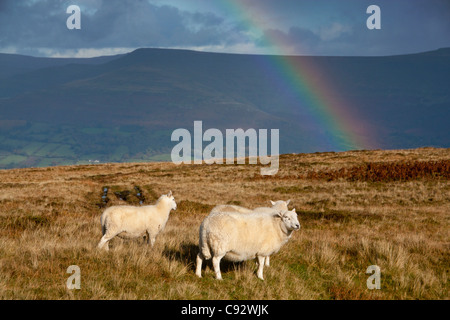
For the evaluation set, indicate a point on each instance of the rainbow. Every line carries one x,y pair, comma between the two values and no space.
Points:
342,130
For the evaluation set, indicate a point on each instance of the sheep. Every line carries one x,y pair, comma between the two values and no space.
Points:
239,237
279,206
230,208
276,206
134,222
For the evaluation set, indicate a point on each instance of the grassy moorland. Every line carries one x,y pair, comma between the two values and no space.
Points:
356,209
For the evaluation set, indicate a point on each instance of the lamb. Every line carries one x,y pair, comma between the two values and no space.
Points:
277,206
239,237
134,222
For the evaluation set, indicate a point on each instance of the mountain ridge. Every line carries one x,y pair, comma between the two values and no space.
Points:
93,108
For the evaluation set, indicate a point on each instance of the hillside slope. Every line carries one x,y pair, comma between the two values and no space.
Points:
124,108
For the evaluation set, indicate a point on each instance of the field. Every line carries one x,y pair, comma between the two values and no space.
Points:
356,209
38,144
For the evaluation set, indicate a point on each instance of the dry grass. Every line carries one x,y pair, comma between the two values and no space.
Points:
49,220
387,171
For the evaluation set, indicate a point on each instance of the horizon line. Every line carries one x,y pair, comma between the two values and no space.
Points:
193,49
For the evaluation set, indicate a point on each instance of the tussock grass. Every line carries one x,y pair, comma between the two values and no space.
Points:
356,209
385,172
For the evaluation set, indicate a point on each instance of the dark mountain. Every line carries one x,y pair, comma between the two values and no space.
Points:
124,108
14,64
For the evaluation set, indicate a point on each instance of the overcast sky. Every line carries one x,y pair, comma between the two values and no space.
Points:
317,27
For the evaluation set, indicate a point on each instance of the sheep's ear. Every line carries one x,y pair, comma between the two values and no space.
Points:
293,210
273,203
170,193
287,202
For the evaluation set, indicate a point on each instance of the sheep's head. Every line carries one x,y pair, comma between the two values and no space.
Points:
171,201
290,219
280,205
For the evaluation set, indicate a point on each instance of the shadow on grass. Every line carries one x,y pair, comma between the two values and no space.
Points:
187,254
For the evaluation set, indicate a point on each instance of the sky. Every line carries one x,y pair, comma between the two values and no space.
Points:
294,27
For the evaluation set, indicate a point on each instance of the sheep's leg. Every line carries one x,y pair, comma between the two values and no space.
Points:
267,261
104,242
150,238
107,235
198,270
261,266
216,265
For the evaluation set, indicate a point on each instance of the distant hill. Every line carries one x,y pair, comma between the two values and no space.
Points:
124,108
14,64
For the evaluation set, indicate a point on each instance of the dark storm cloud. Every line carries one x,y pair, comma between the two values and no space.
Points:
339,28
112,23
323,27
299,39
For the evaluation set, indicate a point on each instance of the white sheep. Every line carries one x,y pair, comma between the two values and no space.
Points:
238,237
277,206
230,208
134,222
